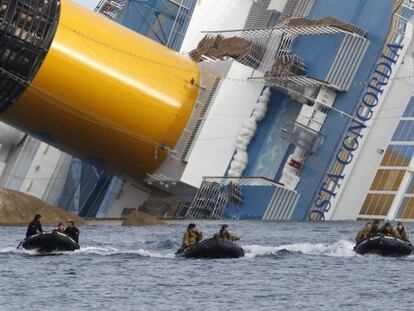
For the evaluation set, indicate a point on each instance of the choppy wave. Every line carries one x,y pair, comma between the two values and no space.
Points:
340,248
163,244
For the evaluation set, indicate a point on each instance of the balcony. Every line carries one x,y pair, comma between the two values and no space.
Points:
303,136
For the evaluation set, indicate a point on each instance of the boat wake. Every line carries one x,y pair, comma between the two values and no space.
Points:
92,250
340,248
14,250
112,251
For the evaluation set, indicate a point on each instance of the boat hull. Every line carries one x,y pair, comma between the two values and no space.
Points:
50,242
212,248
385,246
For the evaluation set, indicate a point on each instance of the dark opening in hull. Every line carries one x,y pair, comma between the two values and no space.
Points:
26,33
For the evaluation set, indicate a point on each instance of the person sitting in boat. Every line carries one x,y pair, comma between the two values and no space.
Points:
34,226
60,228
402,232
389,229
72,231
225,234
191,236
370,229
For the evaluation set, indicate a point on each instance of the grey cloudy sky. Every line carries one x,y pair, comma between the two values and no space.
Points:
91,4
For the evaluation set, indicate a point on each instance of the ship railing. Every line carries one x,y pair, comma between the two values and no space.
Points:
218,194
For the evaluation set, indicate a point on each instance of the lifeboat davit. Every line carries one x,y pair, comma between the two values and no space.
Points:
213,249
384,245
47,242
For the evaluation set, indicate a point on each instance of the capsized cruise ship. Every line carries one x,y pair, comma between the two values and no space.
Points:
273,110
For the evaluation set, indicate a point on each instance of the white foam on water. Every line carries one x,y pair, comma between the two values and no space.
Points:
10,249
93,250
340,248
107,251
14,250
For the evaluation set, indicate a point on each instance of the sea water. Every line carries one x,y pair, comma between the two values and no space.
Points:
287,266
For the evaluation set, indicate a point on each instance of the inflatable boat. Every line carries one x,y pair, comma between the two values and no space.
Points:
46,242
384,245
212,248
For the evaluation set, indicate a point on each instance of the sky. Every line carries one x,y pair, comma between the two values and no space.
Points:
91,4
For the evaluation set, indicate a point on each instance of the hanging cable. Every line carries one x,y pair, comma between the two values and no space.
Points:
173,67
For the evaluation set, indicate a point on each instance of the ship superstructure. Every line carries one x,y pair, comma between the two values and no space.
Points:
292,156
283,111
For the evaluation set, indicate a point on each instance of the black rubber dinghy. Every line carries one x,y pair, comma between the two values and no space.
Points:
50,242
384,245
212,248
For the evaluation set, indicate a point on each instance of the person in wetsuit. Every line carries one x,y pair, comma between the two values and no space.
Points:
225,234
34,226
72,231
60,228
